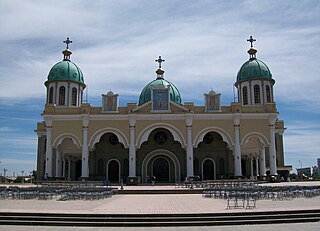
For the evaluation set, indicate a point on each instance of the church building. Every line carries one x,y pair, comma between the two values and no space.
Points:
160,135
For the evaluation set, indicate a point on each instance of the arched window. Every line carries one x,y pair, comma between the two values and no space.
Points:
268,94
257,98
51,95
245,95
74,96
62,95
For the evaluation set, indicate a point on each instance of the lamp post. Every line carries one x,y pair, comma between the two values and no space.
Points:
300,164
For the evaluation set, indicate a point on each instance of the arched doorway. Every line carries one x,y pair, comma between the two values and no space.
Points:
161,169
113,171
162,164
208,169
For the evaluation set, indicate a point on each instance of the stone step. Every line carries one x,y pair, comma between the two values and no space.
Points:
214,219
160,191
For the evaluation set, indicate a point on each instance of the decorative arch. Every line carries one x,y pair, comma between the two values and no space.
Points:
214,167
225,136
144,135
59,140
97,135
162,152
263,140
119,170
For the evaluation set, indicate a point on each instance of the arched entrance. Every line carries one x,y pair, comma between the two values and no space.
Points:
162,164
213,153
161,169
113,170
208,169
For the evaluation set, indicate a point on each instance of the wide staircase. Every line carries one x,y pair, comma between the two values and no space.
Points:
156,220
238,195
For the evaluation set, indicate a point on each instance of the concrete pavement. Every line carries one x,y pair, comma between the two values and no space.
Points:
161,203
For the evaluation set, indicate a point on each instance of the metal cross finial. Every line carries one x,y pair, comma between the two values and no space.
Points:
251,40
68,41
160,60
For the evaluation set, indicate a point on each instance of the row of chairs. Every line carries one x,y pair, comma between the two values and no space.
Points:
246,197
247,202
54,192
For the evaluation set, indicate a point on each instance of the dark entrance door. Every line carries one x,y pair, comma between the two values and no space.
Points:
243,167
113,171
208,170
161,170
78,169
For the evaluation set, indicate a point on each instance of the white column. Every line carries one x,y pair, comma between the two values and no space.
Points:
189,146
64,168
272,148
257,166
263,162
48,170
251,168
58,163
85,149
69,168
237,148
132,148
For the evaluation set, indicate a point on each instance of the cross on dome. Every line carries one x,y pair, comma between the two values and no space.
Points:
66,53
67,41
160,60
251,40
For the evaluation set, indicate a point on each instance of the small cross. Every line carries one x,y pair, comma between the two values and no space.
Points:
68,41
251,40
160,60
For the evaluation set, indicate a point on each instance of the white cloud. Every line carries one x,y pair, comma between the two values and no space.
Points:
7,129
300,143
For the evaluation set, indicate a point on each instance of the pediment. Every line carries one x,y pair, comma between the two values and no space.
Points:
147,108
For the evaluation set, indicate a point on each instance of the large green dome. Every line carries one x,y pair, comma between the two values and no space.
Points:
66,71
253,69
145,95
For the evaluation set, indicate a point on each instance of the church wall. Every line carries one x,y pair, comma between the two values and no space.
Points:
41,157
249,126
178,124
226,125
96,125
69,126
279,149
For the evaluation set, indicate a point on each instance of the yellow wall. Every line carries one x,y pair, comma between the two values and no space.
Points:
60,127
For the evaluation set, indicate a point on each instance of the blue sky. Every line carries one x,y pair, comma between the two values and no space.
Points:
116,42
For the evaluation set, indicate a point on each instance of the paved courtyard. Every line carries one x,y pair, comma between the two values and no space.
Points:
157,203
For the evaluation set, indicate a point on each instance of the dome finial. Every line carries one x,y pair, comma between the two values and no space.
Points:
251,40
67,52
67,41
252,52
160,72
160,60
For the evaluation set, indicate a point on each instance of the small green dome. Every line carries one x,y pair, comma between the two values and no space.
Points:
66,70
145,95
254,69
